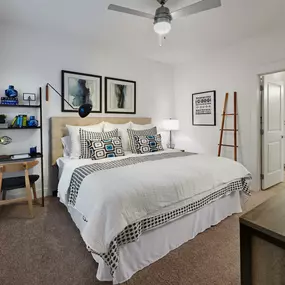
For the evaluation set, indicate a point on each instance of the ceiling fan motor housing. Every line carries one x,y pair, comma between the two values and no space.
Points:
162,14
162,2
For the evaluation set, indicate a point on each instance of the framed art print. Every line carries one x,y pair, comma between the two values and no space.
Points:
29,96
204,108
120,96
80,88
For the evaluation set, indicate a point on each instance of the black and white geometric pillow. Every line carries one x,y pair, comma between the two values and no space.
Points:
132,133
145,144
87,135
105,148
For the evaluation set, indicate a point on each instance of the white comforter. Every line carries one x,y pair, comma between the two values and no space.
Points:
112,199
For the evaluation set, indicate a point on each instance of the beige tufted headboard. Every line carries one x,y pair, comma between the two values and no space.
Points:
59,130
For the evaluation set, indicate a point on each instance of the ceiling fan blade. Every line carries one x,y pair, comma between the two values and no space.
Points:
195,8
130,11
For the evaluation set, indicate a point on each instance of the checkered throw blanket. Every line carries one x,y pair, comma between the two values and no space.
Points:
133,231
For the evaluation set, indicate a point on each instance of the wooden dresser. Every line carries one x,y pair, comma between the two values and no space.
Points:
262,243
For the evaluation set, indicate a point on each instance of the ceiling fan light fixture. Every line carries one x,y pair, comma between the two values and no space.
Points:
162,27
163,16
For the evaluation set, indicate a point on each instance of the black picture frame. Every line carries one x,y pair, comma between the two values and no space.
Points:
63,90
134,101
29,97
214,121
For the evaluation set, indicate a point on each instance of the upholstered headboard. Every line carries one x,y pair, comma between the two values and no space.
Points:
59,130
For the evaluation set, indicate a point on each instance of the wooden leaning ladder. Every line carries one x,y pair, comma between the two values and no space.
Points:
229,130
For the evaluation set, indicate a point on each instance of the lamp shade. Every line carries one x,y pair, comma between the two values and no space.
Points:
171,125
84,110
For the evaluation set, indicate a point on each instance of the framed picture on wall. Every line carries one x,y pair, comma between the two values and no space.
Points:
80,88
120,96
204,108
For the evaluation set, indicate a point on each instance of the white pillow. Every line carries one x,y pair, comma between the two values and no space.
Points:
74,136
141,127
66,142
122,128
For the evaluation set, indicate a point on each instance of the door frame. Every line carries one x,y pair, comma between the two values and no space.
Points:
260,113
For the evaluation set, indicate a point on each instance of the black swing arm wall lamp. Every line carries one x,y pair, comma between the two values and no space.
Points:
83,111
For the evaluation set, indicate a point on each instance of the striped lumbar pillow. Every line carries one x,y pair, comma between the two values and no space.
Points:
132,133
91,136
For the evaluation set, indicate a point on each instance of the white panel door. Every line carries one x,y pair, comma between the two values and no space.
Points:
272,138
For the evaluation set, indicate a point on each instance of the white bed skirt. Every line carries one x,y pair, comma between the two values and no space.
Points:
155,244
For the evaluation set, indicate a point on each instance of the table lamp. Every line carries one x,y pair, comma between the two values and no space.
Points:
171,125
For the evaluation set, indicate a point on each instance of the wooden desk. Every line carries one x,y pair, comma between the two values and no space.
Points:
7,158
262,243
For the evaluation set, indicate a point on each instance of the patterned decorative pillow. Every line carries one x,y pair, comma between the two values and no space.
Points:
73,132
104,148
146,144
132,133
87,135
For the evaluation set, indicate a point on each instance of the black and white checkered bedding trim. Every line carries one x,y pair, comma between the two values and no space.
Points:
82,172
132,232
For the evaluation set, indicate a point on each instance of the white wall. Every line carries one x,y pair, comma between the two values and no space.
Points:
233,69
29,60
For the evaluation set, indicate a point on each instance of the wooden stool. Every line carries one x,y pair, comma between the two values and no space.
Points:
27,181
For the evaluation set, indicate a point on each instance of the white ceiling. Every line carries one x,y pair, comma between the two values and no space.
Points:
235,21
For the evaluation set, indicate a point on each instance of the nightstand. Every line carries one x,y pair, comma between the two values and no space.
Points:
262,243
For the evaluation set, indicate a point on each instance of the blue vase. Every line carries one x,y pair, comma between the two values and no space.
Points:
11,92
33,122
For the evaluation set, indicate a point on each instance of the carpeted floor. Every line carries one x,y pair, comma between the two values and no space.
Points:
48,250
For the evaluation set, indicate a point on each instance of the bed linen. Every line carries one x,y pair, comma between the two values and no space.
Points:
157,243
73,132
183,183
73,163
122,128
60,162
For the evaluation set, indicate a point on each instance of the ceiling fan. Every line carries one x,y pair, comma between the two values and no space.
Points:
163,16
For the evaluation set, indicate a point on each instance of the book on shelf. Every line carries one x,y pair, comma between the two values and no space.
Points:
13,121
20,156
4,126
5,157
9,101
20,121
24,121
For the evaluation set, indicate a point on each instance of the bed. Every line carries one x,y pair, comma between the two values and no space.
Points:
144,205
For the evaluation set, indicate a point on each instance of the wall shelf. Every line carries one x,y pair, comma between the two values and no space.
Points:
8,159
20,106
24,128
